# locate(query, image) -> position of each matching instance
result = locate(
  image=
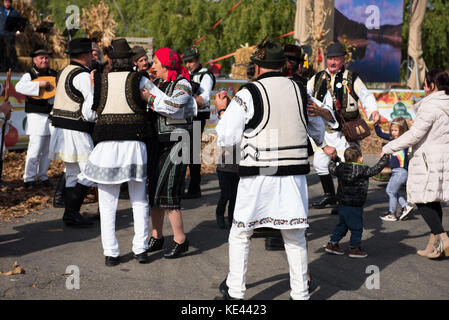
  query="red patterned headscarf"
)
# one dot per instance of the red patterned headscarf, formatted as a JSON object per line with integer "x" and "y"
{"x": 171, "y": 60}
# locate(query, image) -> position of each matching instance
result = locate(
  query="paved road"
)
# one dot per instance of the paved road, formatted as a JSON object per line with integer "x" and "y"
{"x": 44, "y": 248}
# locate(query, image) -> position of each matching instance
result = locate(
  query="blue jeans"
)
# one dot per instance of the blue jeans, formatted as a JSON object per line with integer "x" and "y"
{"x": 351, "y": 218}
{"x": 398, "y": 178}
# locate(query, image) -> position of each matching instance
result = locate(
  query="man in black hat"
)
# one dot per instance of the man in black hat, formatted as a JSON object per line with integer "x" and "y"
{"x": 120, "y": 153}
{"x": 73, "y": 120}
{"x": 269, "y": 119}
{"x": 295, "y": 58}
{"x": 10, "y": 21}
{"x": 347, "y": 89}
{"x": 140, "y": 59}
{"x": 38, "y": 123}
{"x": 203, "y": 82}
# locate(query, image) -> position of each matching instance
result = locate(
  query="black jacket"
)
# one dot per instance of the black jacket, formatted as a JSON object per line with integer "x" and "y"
{"x": 353, "y": 180}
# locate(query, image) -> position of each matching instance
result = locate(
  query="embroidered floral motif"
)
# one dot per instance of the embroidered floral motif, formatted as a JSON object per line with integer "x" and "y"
{"x": 182, "y": 87}
{"x": 240, "y": 102}
{"x": 267, "y": 220}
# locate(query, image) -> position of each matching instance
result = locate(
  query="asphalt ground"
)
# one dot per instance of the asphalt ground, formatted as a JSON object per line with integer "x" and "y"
{"x": 52, "y": 254}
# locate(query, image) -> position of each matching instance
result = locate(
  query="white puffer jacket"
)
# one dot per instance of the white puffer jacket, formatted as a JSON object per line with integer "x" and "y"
{"x": 428, "y": 178}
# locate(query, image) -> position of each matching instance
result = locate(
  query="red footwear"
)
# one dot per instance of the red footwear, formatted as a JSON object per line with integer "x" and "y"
{"x": 334, "y": 249}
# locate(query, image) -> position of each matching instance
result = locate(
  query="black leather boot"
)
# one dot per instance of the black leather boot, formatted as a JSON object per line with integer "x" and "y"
{"x": 274, "y": 243}
{"x": 74, "y": 200}
{"x": 329, "y": 193}
{"x": 58, "y": 200}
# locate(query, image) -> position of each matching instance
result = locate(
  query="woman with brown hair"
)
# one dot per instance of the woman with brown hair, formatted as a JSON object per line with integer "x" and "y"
{"x": 428, "y": 180}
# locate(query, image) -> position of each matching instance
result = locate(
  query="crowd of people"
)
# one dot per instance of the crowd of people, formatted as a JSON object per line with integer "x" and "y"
{"x": 119, "y": 122}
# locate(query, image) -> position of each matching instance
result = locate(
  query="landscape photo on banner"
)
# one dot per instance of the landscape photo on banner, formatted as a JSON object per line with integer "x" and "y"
{"x": 374, "y": 29}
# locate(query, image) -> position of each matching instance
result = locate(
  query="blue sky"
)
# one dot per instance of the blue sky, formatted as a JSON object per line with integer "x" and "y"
{"x": 391, "y": 11}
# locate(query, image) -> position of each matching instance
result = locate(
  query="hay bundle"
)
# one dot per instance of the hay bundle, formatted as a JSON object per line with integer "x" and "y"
{"x": 29, "y": 38}
{"x": 242, "y": 58}
{"x": 98, "y": 24}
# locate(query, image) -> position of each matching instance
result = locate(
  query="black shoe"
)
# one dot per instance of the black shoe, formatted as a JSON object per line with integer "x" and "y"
{"x": 155, "y": 244}
{"x": 221, "y": 222}
{"x": 112, "y": 261}
{"x": 224, "y": 290}
{"x": 328, "y": 199}
{"x": 142, "y": 257}
{"x": 47, "y": 184}
{"x": 75, "y": 219}
{"x": 58, "y": 202}
{"x": 274, "y": 244}
{"x": 192, "y": 195}
{"x": 177, "y": 249}
{"x": 30, "y": 184}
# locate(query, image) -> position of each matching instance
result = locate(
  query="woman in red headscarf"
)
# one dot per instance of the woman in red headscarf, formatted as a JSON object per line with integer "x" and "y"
{"x": 170, "y": 97}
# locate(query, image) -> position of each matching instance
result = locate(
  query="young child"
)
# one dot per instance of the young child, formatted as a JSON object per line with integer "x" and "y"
{"x": 353, "y": 179}
{"x": 399, "y": 171}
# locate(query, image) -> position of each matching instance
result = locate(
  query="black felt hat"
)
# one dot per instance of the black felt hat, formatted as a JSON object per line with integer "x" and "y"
{"x": 139, "y": 52}
{"x": 191, "y": 53}
{"x": 37, "y": 51}
{"x": 293, "y": 52}
{"x": 80, "y": 45}
{"x": 336, "y": 49}
{"x": 120, "y": 49}
{"x": 269, "y": 55}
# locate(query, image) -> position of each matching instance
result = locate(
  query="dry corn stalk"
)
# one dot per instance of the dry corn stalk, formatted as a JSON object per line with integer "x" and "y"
{"x": 98, "y": 23}
{"x": 29, "y": 39}
{"x": 320, "y": 16}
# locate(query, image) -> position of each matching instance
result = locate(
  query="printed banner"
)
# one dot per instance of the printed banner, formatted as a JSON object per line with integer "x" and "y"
{"x": 374, "y": 29}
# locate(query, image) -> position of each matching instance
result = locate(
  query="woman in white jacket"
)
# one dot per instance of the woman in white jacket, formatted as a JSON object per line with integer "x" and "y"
{"x": 428, "y": 180}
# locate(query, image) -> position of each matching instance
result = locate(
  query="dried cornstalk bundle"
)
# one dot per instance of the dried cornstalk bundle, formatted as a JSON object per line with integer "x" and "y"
{"x": 242, "y": 58}
{"x": 321, "y": 14}
{"x": 98, "y": 23}
{"x": 29, "y": 38}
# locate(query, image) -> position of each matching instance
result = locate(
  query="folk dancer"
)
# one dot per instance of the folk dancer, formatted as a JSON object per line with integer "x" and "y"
{"x": 73, "y": 120}
{"x": 269, "y": 120}
{"x": 173, "y": 108}
{"x": 348, "y": 89}
{"x": 120, "y": 153}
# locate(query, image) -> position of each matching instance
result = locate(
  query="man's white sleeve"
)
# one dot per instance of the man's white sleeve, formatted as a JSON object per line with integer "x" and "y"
{"x": 27, "y": 87}
{"x": 82, "y": 83}
{"x": 232, "y": 123}
{"x": 366, "y": 97}
{"x": 206, "y": 87}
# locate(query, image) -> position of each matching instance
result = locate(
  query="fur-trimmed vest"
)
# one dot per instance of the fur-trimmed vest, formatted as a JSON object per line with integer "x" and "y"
{"x": 39, "y": 105}
{"x": 67, "y": 110}
{"x": 275, "y": 140}
{"x": 121, "y": 111}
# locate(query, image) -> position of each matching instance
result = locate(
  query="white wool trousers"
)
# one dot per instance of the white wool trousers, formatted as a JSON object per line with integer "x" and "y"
{"x": 37, "y": 161}
{"x": 108, "y": 195}
{"x": 295, "y": 248}
{"x": 74, "y": 175}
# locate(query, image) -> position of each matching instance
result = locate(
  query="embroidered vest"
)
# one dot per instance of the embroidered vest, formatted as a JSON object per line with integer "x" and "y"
{"x": 69, "y": 101}
{"x": 345, "y": 93}
{"x": 165, "y": 126}
{"x": 121, "y": 111}
{"x": 275, "y": 140}
{"x": 38, "y": 105}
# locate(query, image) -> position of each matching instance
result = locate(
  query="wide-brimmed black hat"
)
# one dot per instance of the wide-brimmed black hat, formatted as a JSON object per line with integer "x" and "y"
{"x": 336, "y": 49}
{"x": 139, "y": 52}
{"x": 38, "y": 51}
{"x": 80, "y": 45}
{"x": 269, "y": 55}
{"x": 191, "y": 53}
{"x": 293, "y": 52}
{"x": 120, "y": 49}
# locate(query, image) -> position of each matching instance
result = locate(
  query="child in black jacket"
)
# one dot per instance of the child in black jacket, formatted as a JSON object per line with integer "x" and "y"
{"x": 353, "y": 179}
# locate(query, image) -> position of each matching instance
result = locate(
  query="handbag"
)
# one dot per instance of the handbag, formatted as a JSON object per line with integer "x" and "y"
{"x": 353, "y": 130}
